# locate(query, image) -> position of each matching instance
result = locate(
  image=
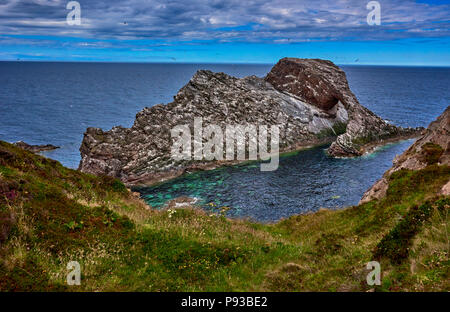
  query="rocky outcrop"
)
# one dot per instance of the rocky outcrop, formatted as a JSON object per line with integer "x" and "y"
{"x": 318, "y": 82}
{"x": 324, "y": 85}
{"x": 35, "y": 148}
{"x": 181, "y": 202}
{"x": 308, "y": 99}
{"x": 433, "y": 147}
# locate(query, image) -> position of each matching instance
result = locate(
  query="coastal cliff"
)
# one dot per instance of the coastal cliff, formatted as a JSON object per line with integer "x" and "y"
{"x": 433, "y": 147}
{"x": 308, "y": 99}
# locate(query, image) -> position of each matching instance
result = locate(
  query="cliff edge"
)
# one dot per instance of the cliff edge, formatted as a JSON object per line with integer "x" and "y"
{"x": 433, "y": 147}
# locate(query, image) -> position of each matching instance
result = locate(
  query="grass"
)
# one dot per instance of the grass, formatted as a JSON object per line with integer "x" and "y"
{"x": 396, "y": 244}
{"x": 51, "y": 215}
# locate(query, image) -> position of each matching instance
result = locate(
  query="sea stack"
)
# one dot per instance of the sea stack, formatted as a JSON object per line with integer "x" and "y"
{"x": 308, "y": 99}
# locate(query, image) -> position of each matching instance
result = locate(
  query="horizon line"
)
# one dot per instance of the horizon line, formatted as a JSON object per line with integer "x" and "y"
{"x": 212, "y": 63}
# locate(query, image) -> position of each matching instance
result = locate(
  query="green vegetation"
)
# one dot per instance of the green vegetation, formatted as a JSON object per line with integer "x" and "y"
{"x": 431, "y": 153}
{"x": 51, "y": 215}
{"x": 363, "y": 140}
{"x": 395, "y": 245}
{"x": 337, "y": 129}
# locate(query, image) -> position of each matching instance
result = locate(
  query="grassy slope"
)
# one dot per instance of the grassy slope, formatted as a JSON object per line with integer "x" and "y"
{"x": 54, "y": 215}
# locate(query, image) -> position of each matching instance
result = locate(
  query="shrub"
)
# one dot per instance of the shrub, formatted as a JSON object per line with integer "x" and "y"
{"x": 431, "y": 153}
{"x": 395, "y": 245}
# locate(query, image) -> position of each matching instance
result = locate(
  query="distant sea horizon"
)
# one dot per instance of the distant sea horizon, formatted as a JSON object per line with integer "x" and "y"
{"x": 220, "y": 63}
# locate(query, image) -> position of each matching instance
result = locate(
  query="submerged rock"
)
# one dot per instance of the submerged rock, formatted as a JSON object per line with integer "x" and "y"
{"x": 181, "y": 202}
{"x": 433, "y": 147}
{"x": 309, "y": 100}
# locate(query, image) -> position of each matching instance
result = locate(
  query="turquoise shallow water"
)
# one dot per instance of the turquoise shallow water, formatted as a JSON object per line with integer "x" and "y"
{"x": 304, "y": 182}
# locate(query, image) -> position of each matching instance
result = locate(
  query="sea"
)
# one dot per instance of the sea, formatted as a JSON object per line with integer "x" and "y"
{"x": 54, "y": 103}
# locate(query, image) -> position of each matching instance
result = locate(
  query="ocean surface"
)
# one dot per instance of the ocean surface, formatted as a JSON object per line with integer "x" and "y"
{"x": 54, "y": 103}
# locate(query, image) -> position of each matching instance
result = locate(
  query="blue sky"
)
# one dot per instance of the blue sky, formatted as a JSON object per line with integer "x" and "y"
{"x": 230, "y": 31}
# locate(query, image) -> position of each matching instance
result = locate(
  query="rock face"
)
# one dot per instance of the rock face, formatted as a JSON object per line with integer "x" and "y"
{"x": 324, "y": 85}
{"x": 308, "y": 99}
{"x": 433, "y": 147}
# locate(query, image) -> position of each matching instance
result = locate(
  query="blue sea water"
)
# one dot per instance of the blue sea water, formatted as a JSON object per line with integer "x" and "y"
{"x": 43, "y": 102}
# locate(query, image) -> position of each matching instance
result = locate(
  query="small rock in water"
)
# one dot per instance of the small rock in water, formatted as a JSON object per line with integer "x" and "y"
{"x": 181, "y": 202}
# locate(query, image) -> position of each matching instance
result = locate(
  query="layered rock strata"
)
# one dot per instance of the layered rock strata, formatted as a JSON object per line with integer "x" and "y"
{"x": 308, "y": 99}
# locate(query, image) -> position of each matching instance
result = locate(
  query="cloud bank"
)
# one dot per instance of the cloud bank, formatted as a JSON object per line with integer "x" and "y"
{"x": 278, "y": 21}
{"x": 193, "y": 30}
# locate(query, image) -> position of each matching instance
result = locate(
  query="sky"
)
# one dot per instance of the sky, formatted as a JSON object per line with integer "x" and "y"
{"x": 227, "y": 31}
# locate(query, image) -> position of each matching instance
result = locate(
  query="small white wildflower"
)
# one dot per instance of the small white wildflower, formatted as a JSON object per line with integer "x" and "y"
{"x": 171, "y": 212}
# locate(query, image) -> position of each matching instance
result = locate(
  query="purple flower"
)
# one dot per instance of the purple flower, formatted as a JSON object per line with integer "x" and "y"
{"x": 11, "y": 195}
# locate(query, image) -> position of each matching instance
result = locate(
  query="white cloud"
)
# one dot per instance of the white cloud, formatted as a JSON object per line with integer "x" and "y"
{"x": 259, "y": 20}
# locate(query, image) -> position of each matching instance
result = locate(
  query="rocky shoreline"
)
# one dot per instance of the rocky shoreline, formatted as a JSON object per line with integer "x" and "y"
{"x": 153, "y": 179}
{"x": 35, "y": 148}
{"x": 308, "y": 99}
{"x": 156, "y": 178}
{"x": 372, "y": 147}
